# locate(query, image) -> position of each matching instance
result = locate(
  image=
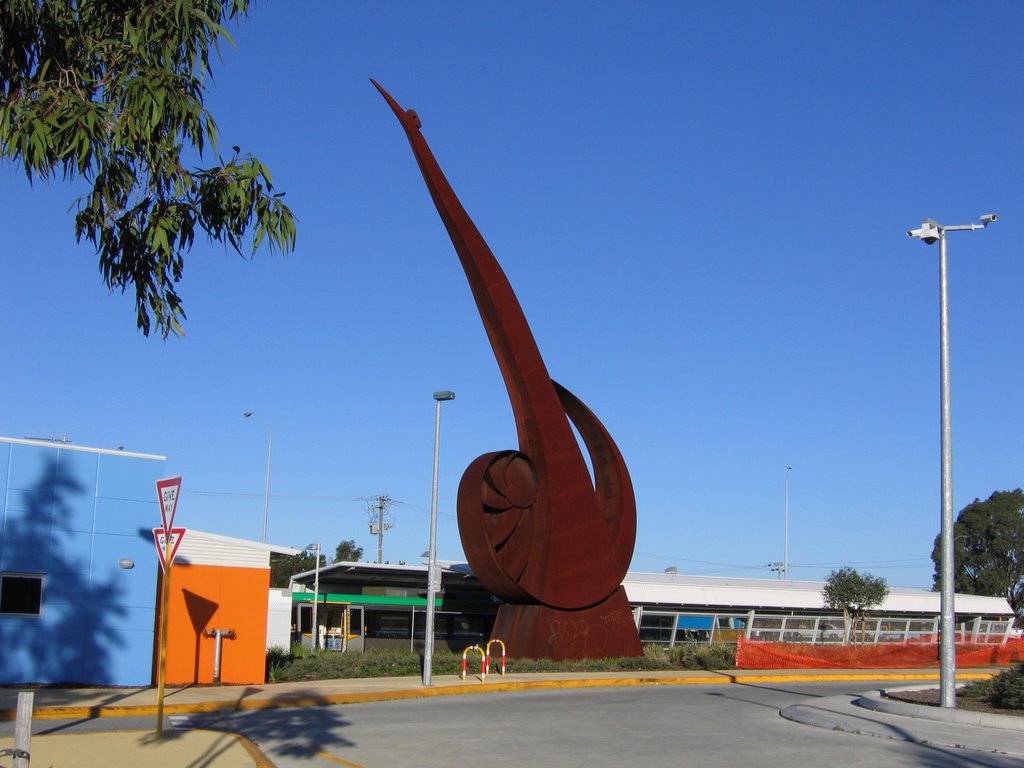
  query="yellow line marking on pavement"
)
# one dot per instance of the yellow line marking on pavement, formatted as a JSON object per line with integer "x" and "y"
{"x": 257, "y": 754}
{"x": 337, "y": 759}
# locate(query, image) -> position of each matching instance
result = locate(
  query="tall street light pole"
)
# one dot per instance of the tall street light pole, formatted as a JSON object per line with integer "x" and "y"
{"x": 266, "y": 492}
{"x": 432, "y": 586}
{"x": 930, "y": 232}
{"x": 785, "y": 547}
{"x": 316, "y": 595}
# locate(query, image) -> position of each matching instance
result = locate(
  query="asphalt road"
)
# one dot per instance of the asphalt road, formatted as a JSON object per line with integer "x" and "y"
{"x": 705, "y": 726}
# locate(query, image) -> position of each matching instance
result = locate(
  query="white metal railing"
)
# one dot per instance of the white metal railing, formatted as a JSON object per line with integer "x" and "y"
{"x": 674, "y": 627}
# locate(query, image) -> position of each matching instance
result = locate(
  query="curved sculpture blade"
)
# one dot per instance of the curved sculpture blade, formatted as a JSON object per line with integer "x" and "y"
{"x": 534, "y": 526}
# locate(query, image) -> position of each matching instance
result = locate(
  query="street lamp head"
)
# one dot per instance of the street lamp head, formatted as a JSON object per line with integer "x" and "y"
{"x": 929, "y": 232}
{"x": 247, "y": 414}
{"x": 444, "y": 395}
{"x": 988, "y": 218}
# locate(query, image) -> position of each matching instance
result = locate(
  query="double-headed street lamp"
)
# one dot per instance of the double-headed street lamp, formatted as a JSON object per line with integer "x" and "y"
{"x": 266, "y": 492}
{"x": 931, "y": 232}
{"x": 432, "y": 585}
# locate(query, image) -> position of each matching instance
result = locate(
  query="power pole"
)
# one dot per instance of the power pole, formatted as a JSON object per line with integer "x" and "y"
{"x": 377, "y": 509}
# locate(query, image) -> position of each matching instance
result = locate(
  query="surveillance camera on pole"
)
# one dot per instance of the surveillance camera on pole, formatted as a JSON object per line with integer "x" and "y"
{"x": 930, "y": 232}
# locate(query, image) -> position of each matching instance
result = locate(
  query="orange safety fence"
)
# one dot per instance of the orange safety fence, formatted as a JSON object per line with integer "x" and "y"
{"x": 757, "y": 654}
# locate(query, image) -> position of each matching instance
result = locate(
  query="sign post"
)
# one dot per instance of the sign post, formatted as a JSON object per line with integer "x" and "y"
{"x": 167, "y": 540}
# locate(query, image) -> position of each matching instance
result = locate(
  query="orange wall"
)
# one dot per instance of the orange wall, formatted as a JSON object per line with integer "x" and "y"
{"x": 208, "y": 597}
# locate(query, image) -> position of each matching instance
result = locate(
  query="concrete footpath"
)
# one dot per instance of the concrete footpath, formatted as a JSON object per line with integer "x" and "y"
{"x": 213, "y": 749}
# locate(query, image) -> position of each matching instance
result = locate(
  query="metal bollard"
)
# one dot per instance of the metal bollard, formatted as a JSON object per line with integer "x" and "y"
{"x": 487, "y": 662}
{"x": 218, "y": 635}
{"x": 23, "y": 729}
{"x": 465, "y": 653}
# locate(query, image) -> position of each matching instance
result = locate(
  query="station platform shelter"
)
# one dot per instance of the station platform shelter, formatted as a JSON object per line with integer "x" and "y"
{"x": 366, "y": 605}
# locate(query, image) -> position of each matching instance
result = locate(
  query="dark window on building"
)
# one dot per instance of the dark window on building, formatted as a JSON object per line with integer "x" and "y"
{"x": 657, "y": 627}
{"x": 21, "y": 593}
{"x": 393, "y": 625}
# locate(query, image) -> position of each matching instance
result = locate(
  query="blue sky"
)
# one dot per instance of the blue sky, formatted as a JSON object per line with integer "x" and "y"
{"x": 702, "y": 209}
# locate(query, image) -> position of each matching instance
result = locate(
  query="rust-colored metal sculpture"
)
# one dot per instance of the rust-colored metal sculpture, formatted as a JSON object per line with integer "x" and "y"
{"x": 537, "y": 531}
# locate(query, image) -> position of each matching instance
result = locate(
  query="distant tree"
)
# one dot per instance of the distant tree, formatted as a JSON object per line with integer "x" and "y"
{"x": 988, "y": 545}
{"x": 348, "y": 552}
{"x": 283, "y": 568}
{"x": 854, "y": 594}
{"x": 111, "y": 91}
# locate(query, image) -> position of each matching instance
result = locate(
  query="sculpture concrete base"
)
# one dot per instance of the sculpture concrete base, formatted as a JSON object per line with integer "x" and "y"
{"x": 605, "y": 630}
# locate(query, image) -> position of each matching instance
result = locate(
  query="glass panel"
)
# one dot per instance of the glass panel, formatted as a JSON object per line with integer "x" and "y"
{"x": 796, "y": 637}
{"x": 829, "y": 634}
{"x": 468, "y": 630}
{"x": 388, "y": 625}
{"x": 799, "y": 622}
{"x": 657, "y": 627}
{"x": 693, "y": 635}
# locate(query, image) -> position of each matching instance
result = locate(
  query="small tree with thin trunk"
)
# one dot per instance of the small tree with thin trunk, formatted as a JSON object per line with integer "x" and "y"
{"x": 854, "y": 594}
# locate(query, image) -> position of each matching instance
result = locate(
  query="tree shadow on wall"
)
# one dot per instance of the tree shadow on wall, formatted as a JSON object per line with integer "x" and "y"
{"x": 76, "y": 638}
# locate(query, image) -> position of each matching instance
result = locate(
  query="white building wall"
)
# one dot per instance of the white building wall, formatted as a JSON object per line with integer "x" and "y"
{"x": 279, "y": 618}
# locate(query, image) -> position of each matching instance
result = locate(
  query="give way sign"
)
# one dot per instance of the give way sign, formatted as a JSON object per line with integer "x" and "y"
{"x": 165, "y": 553}
{"x": 167, "y": 490}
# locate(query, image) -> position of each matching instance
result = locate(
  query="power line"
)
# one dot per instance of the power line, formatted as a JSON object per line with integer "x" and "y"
{"x": 418, "y": 509}
{"x": 888, "y": 564}
{"x": 239, "y": 494}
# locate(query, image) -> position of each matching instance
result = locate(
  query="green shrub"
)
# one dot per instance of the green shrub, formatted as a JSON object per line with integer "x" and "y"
{"x": 635, "y": 663}
{"x": 1008, "y": 688}
{"x": 704, "y": 656}
{"x": 277, "y": 659}
{"x": 533, "y": 665}
{"x": 657, "y": 654}
{"x": 977, "y": 689}
{"x": 277, "y": 653}
{"x": 302, "y": 664}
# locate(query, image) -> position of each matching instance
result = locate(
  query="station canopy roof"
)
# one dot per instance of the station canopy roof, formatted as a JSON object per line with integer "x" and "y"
{"x": 672, "y": 590}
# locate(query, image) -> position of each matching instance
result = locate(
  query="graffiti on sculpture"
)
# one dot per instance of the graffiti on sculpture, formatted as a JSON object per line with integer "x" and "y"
{"x": 543, "y": 536}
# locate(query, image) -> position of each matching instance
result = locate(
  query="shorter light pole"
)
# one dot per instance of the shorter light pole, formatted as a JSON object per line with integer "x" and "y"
{"x": 266, "y": 492}
{"x": 432, "y": 586}
{"x": 316, "y": 595}
{"x": 931, "y": 232}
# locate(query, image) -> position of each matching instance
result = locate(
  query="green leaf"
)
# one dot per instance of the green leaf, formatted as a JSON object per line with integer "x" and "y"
{"x": 116, "y": 97}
